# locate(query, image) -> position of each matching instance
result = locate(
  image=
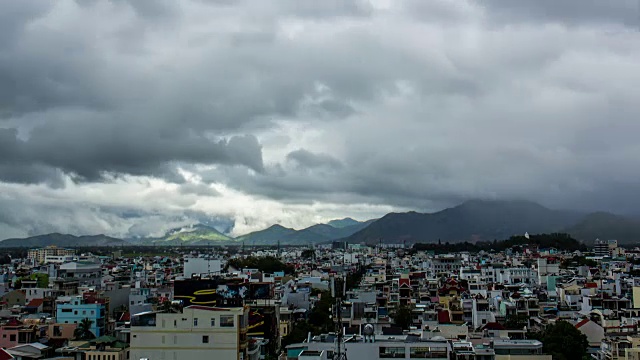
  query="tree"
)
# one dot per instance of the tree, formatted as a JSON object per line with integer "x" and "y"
{"x": 43, "y": 279}
{"x": 83, "y": 331}
{"x": 516, "y": 322}
{"x": 563, "y": 341}
{"x": 308, "y": 254}
{"x": 402, "y": 317}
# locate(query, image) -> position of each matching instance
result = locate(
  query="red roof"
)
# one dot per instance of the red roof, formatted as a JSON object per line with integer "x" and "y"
{"x": 582, "y": 323}
{"x": 404, "y": 282}
{"x": 5, "y": 355}
{"x": 125, "y": 317}
{"x": 35, "y": 303}
{"x": 590, "y": 285}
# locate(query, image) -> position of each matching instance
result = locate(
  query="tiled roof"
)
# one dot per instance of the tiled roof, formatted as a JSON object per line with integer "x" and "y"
{"x": 582, "y": 323}
{"x": 35, "y": 303}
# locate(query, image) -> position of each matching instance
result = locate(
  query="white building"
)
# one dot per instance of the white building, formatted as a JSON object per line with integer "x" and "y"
{"x": 198, "y": 332}
{"x": 198, "y": 266}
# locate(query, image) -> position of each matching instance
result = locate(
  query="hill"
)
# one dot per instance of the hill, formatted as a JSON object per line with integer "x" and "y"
{"x": 193, "y": 235}
{"x": 314, "y": 234}
{"x": 605, "y": 226}
{"x": 343, "y": 223}
{"x": 63, "y": 240}
{"x": 477, "y": 220}
{"x": 268, "y": 236}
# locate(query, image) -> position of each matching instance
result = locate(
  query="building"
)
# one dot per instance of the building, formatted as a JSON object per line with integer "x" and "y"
{"x": 383, "y": 347}
{"x": 74, "y": 310}
{"x": 198, "y": 266}
{"x": 519, "y": 349}
{"x": 605, "y": 248}
{"x": 195, "y": 333}
{"x": 85, "y": 272}
{"x": 39, "y": 255}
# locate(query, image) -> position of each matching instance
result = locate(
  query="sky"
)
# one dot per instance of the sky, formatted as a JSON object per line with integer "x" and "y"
{"x": 129, "y": 118}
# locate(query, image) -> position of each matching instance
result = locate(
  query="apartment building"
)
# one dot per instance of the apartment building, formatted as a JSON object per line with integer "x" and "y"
{"x": 74, "y": 310}
{"x": 39, "y": 255}
{"x": 196, "y": 332}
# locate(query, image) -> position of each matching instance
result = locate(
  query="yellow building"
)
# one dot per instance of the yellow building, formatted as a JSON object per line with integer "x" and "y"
{"x": 39, "y": 255}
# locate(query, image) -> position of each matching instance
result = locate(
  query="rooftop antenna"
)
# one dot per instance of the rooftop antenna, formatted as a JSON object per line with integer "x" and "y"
{"x": 340, "y": 354}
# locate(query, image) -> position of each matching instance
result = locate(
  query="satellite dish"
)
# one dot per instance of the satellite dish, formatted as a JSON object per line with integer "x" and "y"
{"x": 368, "y": 330}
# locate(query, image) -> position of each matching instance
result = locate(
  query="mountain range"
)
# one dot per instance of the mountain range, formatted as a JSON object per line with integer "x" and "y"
{"x": 476, "y": 220}
{"x": 63, "y": 240}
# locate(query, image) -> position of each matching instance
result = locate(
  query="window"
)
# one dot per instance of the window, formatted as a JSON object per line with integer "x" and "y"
{"x": 175, "y": 323}
{"x": 12, "y": 337}
{"x": 205, "y": 339}
{"x": 419, "y": 353}
{"x": 163, "y": 339}
{"x": 213, "y": 322}
{"x": 65, "y": 310}
{"x": 226, "y": 320}
{"x": 75, "y": 312}
{"x": 195, "y": 322}
{"x": 84, "y": 312}
{"x": 391, "y": 352}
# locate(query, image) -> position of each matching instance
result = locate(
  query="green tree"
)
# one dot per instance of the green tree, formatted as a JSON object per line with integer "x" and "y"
{"x": 563, "y": 341}
{"x": 43, "y": 280}
{"x": 516, "y": 322}
{"x": 402, "y": 317}
{"x": 308, "y": 254}
{"x": 83, "y": 331}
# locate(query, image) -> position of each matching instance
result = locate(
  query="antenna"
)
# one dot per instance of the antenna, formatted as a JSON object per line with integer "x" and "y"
{"x": 340, "y": 354}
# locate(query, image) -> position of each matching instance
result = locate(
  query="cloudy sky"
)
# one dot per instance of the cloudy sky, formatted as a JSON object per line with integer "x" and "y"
{"x": 130, "y": 117}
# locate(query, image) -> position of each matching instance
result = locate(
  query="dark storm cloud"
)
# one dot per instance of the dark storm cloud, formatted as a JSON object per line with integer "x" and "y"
{"x": 256, "y": 105}
{"x": 138, "y": 151}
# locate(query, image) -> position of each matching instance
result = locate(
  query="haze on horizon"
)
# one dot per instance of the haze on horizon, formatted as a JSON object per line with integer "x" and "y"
{"x": 131, "y": 117}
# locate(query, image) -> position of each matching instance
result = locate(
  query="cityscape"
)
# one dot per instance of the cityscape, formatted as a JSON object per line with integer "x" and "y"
{"x": 334, "y": 300}
{"x": 319, "y": 179}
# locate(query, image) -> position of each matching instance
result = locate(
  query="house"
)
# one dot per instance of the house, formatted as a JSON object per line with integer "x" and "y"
{"x": 30, "y": 351}
{"x": 594, "y": 333}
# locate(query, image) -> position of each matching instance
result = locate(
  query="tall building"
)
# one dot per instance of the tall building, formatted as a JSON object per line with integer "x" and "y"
{"x": 197, "y": 332}
{"x": 40, "y": 255}
{"x": 605, "y": 247}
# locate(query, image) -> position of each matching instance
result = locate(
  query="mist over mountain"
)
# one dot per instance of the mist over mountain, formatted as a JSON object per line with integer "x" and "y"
{"x": 476, "y": 220}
